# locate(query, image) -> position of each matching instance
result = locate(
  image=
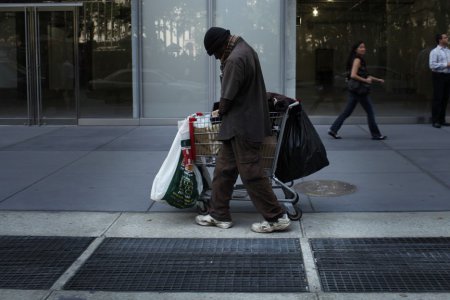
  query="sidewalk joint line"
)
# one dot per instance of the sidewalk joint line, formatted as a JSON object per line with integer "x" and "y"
{"x": 430, "y": 174}
{"x": 302, "y": 230}
{"x": 310, "y": 267}
{"x": 62, "y": 167}
{"x": 78, "y": 263}
{"x": 117, "y": 137}
{"x": 150, "y": 206}
{"x": 103, "y": 234}
{"x": 49, "y": 294}
{"x": 5, "y": 148}
{"x": 397, "y": 151}
{"x": 45, "y": 177}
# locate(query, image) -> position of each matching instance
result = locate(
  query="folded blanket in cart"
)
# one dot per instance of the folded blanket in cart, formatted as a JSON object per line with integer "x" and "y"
{"x": 205, "y": 135}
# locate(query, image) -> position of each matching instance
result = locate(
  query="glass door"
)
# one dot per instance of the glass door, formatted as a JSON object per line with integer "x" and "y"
{"x": 39, "y": 57}
{"x": 56, "y": 63}
{"x": 13, "y": 66}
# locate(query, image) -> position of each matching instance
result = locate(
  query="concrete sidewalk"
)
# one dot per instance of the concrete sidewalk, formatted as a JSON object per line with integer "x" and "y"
{"x": 95, "y": 182}
{"x": 70, "y": 168}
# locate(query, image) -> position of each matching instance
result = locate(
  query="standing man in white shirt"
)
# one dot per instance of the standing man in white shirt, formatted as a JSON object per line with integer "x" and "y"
{"x": 440, "y": 67}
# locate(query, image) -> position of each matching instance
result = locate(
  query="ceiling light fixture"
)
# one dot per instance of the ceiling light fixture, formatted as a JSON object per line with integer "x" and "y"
{"x": 315, "y": 11}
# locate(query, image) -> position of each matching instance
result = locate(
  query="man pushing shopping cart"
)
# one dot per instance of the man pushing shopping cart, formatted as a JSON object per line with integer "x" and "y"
{"x": 244, "y": 113}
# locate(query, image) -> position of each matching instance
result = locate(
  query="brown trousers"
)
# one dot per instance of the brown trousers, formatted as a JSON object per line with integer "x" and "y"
{"x": 241, "y": 157}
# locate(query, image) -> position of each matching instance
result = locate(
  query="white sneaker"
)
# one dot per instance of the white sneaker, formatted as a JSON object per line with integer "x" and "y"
{"x": 210, "y": 221}
{"x": 267, "y": 227}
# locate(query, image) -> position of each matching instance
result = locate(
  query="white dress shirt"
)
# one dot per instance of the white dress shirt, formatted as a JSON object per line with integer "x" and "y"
{"x": 439, "y": 59}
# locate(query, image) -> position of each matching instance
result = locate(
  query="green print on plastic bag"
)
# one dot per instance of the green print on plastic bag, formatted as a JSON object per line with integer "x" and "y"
{"x": 182, "y": 191}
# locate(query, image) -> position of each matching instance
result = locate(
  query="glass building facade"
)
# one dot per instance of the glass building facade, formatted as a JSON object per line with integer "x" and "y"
{"x": 399, "y": 36}
{"x": 143, "y": 62}
{"x": 62, "y": 62}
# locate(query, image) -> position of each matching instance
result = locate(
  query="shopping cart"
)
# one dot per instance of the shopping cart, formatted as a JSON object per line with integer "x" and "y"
{"x": 205, "y": 147}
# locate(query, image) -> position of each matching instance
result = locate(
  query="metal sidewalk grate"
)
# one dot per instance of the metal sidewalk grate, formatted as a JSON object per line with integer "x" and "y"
{"x": 37, "y": 262}
{"x": 200, "y": 265}
{"x": 383, "y": 264}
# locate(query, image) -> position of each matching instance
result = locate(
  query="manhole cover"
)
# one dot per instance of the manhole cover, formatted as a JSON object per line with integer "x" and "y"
{"x": 325, "y": 188}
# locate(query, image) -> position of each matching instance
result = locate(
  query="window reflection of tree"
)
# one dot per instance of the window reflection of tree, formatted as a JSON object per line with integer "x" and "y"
{"x": 105, "y": 33}
{"x": 179, "y": 39}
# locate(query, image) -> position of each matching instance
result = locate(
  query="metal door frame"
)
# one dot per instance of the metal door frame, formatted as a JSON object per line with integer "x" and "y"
{"x": 33, "y": 64}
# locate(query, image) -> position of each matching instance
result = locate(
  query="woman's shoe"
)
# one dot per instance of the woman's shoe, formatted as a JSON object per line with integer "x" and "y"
{"x": 334, "y": 135}
{"x": 379, "y": 137}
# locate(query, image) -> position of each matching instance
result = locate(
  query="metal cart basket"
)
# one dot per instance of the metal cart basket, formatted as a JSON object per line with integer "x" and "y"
{"x": 205, "y": 148}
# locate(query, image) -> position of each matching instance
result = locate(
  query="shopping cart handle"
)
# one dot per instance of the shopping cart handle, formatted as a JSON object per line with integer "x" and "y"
{"x": 294, "y": 104}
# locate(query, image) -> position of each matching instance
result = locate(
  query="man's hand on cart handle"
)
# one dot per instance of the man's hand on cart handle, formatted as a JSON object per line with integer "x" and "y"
{"x": 215, "y": 113}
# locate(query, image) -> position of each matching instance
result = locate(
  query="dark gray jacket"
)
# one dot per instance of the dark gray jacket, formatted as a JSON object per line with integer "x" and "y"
{"x": 243, "y": 84}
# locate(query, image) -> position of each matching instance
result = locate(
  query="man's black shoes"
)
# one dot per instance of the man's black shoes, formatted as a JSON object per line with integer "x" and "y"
{"x": 437, "y": 125}
{"x": 446, "y": 124}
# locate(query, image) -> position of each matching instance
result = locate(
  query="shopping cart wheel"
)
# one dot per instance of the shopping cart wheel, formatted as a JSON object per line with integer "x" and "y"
{"x": 295, "y": 213}
{"x": 202, "y": 208}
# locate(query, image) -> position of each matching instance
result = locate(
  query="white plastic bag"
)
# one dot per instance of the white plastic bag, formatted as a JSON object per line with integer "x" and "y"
{"x": 178, "y": 181}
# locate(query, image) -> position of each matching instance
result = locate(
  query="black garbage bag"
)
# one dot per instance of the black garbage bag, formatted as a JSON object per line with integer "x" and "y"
{"x": 302, "y": 152}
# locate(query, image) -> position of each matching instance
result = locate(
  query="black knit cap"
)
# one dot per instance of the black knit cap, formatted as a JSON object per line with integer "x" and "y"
{"x": 215, "y": 38}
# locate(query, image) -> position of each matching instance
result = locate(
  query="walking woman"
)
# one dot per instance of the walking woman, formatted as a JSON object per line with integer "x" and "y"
{"x": 359, "y": 87}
